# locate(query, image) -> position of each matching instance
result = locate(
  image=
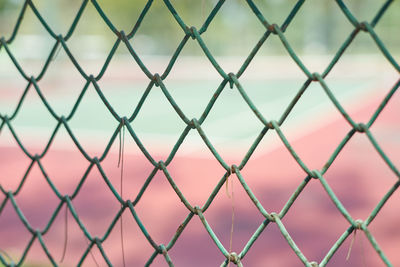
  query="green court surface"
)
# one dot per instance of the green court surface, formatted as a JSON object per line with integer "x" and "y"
{"x": 158, "y": 124}
{"x": 271, "y": 83}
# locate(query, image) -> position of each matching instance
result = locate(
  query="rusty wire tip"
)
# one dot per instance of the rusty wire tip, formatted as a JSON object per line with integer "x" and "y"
{"x": 272, "y": 28}
{"x": 361, "y": 128}
{"x": 272, "y": 217}
{"x": 363, "y": 26}
{"x": 233, "y": 257}
{"x": 121, "y": 34}
{"x": 315, "y": 174}
{"x": 359, "y": 224}
{"x": 315, "y": 77}
{"x": 197, "y": 210}
{"x": 193, "y": 31}
{"x": 233, "y": 169}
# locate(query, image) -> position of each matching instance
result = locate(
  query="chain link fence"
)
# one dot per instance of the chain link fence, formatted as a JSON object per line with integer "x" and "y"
{"x": 227, "y": 81}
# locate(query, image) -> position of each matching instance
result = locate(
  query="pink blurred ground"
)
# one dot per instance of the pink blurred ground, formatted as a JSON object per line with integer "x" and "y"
{"x": 359, "y": 177}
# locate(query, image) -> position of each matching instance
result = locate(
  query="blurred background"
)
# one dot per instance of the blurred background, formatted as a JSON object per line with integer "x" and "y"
{"x": 360, "y": 178}
{"x": 320, "y": 27}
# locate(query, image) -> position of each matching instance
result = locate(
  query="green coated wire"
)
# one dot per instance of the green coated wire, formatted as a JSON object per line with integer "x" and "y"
{"x": 156, "y": 82}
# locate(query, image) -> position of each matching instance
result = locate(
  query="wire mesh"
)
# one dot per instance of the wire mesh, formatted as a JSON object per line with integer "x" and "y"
{"x": 228, "y": 80}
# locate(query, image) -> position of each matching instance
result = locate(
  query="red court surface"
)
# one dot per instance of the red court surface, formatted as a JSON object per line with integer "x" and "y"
{"x": 359, "y": 177}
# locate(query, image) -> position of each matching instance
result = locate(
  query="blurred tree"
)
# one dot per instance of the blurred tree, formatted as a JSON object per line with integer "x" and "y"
{"x": 319, "y": 26}
{"x": 2, "y": 4}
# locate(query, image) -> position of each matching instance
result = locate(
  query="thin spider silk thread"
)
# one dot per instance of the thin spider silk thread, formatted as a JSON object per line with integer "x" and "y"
{"x": 91, "y": 254}
{"x": 66, "y": 239}
{"x": 65, "y": 233}
{"x": 231, "y": 196}
{"x": 362, "y": 248}
{"x": 93, "y": 257}
{"x": 351, "y": 244}
{"x": 120, "y": 157}
{"x": 121, "y": 164}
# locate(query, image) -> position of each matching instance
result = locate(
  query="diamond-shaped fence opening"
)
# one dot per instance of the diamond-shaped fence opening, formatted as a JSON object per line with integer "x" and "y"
{"x": 95, "y": 221}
